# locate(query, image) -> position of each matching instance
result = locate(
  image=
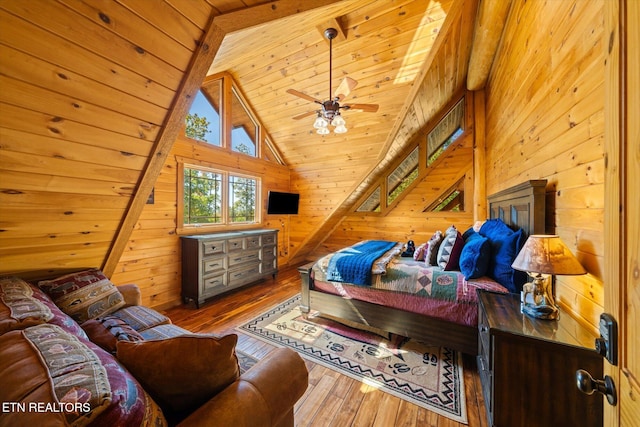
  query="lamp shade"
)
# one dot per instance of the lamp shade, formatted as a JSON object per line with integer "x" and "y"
{"x": 547, "y": 254}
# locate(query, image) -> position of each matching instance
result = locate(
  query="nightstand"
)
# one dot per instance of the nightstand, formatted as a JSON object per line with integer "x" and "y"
{"x": 528, "y": 366}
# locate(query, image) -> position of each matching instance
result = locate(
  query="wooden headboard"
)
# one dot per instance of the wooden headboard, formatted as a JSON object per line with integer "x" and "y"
{"x": 521, "y": 206}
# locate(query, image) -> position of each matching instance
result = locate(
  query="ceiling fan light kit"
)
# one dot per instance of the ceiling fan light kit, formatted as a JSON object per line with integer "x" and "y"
{"x": 329, "y": 114}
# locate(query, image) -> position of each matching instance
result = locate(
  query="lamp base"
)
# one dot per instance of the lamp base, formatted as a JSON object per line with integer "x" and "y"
{"x": 546, "y": 312}
{"x": 536, "y": 300}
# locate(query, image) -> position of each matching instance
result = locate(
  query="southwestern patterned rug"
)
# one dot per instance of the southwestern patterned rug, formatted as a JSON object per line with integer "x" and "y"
{"x": 428, "y": 376}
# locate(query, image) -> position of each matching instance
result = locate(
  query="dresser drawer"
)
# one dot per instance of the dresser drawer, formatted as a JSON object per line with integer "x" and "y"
{"x": 253, "y": 242}
{"x": 268, "y": 239}
{"x": 236, "y": 244}
{"x": 268, "y": 266}
{"x": 268, "y": 253}
{"x": 245, "y": 274}
{"x": 213, "y": 247}
{"x": 212, "y": 265}
{"x": 213, "y": 284}
{"x": 246, "y": 256}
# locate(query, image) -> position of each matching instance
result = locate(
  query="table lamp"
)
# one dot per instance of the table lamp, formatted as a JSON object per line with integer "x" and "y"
{"x": 544, "y": 255}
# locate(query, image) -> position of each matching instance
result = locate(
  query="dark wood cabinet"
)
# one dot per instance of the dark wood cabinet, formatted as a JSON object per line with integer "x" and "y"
{"x": 216, "y": 263}
{"x": 528, "y": 367}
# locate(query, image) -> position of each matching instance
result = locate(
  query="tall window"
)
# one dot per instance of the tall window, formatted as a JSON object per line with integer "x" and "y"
{"x": 203, "y": 122}
{"x": 244, "y": 129}
{"x": 242, "y": 199}
{"x": 202, "y": 197}
{"x": 217, "y": 197}
{"x": 221, "y": 116}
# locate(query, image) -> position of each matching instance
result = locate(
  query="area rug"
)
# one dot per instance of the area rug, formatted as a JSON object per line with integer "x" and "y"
{"x": 245, "y": 362}
{"x": 428, "y": 376}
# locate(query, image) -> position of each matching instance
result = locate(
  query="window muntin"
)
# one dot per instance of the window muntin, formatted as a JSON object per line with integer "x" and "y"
{"x": 402, "y": 176}
{"x": 203, "y": 121}
{"x": 446, "y": 132}
{"x": 215, "y": 197}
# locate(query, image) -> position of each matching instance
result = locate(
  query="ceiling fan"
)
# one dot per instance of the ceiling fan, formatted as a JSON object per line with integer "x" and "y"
{"x": 329, "y": 112}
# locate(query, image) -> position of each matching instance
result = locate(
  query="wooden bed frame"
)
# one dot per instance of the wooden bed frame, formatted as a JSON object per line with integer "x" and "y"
{"x": 522, "y": 206}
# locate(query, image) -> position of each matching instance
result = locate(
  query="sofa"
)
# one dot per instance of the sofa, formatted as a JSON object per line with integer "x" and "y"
{"x": 78, "y": 350}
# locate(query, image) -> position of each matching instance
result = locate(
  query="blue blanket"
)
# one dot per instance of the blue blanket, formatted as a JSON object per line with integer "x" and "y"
{"x": 353, "y": 265}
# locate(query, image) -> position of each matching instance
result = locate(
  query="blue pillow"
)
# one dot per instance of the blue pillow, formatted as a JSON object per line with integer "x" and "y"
{"x": 495, "y": 229}
{"x": 475, "y": 256}
{"x": 504, "y": 250}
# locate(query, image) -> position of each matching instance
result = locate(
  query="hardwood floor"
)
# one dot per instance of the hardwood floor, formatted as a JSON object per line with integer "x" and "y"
{"x": 332, "y": 399}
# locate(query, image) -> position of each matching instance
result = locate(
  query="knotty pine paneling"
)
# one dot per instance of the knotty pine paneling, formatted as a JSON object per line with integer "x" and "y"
{"x": 152, "y": 256}
{"x": 86, "y": 87}
{"x": 545, "y": 103}
{"x": 407, "y": 219}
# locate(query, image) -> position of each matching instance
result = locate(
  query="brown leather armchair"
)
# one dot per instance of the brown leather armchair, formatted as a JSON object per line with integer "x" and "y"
{"x": 263, "y": 396}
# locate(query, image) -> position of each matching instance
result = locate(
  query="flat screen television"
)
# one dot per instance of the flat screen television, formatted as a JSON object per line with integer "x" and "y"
{"x": 279, "y": 203}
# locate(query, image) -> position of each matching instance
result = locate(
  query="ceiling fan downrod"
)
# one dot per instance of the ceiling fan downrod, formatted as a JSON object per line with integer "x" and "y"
{"x": 330, "y": 34}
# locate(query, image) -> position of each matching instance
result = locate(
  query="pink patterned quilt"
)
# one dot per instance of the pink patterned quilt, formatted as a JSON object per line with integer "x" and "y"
{"x": 412, "y": 286}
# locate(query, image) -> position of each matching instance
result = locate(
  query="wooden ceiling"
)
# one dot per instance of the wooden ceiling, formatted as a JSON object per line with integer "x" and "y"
{"x": 410, "y": 57}
{"x": 384, "y": 46}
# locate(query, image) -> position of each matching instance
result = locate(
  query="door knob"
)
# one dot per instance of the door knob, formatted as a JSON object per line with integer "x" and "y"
{"x": 587, "y": 384}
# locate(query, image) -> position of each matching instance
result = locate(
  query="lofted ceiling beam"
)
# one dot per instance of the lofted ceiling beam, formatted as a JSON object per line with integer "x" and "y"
{"x": 492, "y": 16}
{"x": 219, "y": 27}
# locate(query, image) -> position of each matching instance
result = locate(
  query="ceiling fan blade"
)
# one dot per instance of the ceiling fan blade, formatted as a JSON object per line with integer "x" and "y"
{"x": 368, "y": 108}
{"x": 303, "y": 115}
{"x": 346, "y": 86}
{"x": 302, "y": 95}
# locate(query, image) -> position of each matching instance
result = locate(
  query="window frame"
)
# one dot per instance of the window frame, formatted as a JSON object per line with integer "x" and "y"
{"x": 226, "y": 222}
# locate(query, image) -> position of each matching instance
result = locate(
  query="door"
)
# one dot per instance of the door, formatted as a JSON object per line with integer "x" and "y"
{"x": 622, "y": 204}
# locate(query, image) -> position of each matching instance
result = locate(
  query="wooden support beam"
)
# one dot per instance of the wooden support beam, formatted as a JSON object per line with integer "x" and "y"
{"x": 479, "y": 158}
{"x": 492, "y": 16}
{"x": 218, "y": 28}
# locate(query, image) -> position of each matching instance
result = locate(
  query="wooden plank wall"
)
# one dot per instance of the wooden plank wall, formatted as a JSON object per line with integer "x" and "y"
{"x": 545, "y": 120}
{"x": 152, "y": 258}
{"x": 407, "y": 220}
{"x": 85, "y": 91}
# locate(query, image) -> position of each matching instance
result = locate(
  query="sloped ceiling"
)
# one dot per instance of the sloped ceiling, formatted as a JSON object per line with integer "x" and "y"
{"x": 409, "y": 57}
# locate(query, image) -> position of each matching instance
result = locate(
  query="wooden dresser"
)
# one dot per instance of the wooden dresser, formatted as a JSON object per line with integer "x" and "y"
{"x": 216, "y": 263}
{"x": 528, "y": 366}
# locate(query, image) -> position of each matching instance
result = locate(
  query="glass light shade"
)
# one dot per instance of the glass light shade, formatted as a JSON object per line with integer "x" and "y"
{"x": 338, "y": 121}
{"x": 340, "y": 129}
{"x": 323, "y": 130}
{"x": 547, "y": 254}
{"x": 320, "y": 123}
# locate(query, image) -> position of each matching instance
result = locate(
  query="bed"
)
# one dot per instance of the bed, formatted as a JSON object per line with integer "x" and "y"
{"x": 521, "y": 207}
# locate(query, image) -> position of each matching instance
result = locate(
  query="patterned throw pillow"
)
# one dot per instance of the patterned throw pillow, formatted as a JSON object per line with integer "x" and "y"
{"x": 418, "y": 254}
{"x": 449, "y": 252}
{"x": 84, "y": 295}
{"x": 431, "y": 252}
{"x": 45, "y": 364}
{"x": 18, "y": 308}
